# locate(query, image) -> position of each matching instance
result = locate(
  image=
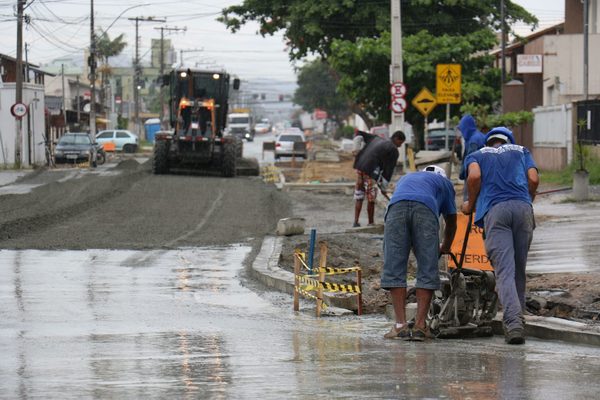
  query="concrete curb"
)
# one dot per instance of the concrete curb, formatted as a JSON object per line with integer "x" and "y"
{"x": 266, "y": 270}
{"x": 550, "y": 328}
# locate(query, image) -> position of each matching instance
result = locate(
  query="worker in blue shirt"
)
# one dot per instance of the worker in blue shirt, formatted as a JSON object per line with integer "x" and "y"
{"x": 502, "y": 180}
{"x": 412, "y": 221}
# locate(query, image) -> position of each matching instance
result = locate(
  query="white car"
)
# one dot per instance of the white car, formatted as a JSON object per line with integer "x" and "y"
{"x": 262, "y": 128}
{"x": 124, "y": 140}
{"x": 290, "y": 143}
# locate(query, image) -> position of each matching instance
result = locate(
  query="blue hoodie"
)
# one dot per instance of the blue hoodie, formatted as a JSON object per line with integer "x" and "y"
{"x": 474, "y": 140}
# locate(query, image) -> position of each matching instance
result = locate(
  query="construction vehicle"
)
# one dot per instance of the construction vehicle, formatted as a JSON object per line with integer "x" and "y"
{"x": 467, "y": 302}
{"x": 198, "y": 103}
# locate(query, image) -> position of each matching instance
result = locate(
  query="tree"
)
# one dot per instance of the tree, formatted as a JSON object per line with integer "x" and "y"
{"x": 317, "y": 88}
{"x": 105, "y": 48}
{"x": 353, "y": 36}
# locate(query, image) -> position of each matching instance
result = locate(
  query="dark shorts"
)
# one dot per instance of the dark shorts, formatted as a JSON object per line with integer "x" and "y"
{"x": 410, "y": 225}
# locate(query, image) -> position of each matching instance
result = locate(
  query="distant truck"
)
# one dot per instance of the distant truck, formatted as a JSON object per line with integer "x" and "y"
{"x": 198, "y": 103}
{"x": 241, "y": 124}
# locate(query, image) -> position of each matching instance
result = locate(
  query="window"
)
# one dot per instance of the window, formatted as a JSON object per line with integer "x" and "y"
{"x": 105, "y": 135}
{"x": 122, "y": 135}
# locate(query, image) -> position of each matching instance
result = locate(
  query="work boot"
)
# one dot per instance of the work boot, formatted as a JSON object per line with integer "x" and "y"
{"x": 515, "y": 336}
{"x": 398, "y": 333}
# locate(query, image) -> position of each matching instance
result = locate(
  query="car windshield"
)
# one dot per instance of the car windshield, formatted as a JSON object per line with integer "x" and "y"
{"x": 238, "y": 120}
{"x": 74, "y": 139}
{"x": 290, "y": 138}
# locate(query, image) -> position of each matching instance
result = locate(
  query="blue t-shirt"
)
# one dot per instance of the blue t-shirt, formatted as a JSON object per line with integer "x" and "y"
{"x": 503, "y": 176}
{"x": 433, "y": 190}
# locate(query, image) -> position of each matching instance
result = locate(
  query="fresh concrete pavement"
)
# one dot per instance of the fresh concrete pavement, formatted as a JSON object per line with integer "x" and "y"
{"x": 265, "y": 268}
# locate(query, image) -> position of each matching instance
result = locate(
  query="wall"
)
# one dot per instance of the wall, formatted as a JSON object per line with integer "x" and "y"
{"x": 33, "y": 126}
{"x": 563, "y": 68}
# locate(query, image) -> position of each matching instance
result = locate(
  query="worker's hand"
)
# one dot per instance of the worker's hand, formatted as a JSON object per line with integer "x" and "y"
{"x": 466, "y": 208}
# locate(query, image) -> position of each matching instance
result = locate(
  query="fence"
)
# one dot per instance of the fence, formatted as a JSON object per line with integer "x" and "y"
{"x": 553, "y": 136}
{"x": 313, "y": 284}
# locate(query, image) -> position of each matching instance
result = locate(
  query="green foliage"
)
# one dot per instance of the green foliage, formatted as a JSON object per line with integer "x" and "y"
{"x": 344, "y": 132}
{"x": 107, "y": 47}
{"x": 317, "y": 88}
{"x": 565, "y": 177}
{"x": 363, "y": 68}
{"x": 122, "y": 123}
{"x": 486, "y": 121}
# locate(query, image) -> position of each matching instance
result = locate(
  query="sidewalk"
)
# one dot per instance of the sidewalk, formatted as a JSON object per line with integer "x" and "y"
{"x": 266, "y": 270}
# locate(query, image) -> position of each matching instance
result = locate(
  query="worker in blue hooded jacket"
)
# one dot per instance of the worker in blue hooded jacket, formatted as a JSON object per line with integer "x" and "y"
{"x": 474, "y": 140}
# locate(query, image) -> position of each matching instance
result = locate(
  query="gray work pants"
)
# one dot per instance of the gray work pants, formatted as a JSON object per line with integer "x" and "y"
{"x": 508, "y": 232}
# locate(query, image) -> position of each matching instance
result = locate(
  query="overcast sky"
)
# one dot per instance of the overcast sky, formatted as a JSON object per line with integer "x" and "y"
{"x": 61, "y": 27}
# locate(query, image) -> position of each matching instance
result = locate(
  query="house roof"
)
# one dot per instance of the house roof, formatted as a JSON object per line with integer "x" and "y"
{"x": 522, "y": 41}
{"x": 31, "y": 66}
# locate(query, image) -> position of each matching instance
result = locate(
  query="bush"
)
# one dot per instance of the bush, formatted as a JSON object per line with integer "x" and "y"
{"x": 565, "y": 177}
{"x": 344, "y": 132}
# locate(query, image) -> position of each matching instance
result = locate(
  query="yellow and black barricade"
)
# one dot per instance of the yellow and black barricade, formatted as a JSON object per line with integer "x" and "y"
{"x": 270, "y": 174}
{"x": 312, "y": 285}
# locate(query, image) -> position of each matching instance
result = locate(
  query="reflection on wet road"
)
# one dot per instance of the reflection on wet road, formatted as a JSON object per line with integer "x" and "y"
{"x": 102, "y": 324}
{"x": 568, "y": 241}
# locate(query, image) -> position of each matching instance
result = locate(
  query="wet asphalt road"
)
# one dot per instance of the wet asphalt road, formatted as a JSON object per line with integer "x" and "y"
{"x": 180, "y": 324}
{"x": 187, "y": 323}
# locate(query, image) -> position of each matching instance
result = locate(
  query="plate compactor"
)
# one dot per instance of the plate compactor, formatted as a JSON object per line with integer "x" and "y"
{"x": 467, "y": 302}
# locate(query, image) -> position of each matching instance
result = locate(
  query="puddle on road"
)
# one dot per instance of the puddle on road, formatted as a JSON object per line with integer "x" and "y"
{"x": 102, "y": 324}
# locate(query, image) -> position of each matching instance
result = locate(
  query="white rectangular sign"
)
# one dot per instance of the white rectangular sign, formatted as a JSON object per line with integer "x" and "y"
{"x": 529, "y": 63}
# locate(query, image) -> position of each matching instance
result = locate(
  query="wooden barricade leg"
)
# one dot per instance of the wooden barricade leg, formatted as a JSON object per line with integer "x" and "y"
{"x": 296, "y": 282}
{"x": 322, "y": 266}
{"x": 359, "y": 294}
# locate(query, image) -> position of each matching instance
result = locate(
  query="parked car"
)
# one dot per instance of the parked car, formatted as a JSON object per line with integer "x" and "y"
{"x": 285, "y": 144}
{"x": 75, "y": 147}
{"x": 442, "y": 139}
{"x": 124, "y": 140}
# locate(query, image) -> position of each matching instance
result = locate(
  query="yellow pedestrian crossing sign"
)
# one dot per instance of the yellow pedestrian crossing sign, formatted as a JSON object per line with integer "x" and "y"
{"x": 448, "y": 80}
{"x": 424, "y": 101}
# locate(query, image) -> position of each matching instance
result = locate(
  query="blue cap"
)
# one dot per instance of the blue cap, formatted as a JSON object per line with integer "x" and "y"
{"x": 502, "y": 133}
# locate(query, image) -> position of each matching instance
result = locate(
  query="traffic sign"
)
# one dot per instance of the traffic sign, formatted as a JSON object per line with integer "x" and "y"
{"x": 448, "y": 81}
{"x": 18, "y": 110}
{"x": 424, "y": 101}
{"x": 398, "y": 104}
{"x": 398, "y": 89}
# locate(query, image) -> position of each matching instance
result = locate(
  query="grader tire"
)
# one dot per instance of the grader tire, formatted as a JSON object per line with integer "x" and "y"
{"x": 229, "y": 160}
{"x": 160, "y": 163}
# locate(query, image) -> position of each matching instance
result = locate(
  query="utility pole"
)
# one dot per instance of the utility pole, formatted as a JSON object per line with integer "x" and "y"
{"x": 19, "y": 82}
{"x": 26, "y": 64}
{"x": 586, "y": 55}
{"x": 396, "y": 67}
{"x": 92, "y": 77}
{"x": 137, "y": 70}
{"x": 64, "y": 96}
{"x": 162, "y": 66}
{"x": 78, "y": 106}
{"x": 503, "y": 40}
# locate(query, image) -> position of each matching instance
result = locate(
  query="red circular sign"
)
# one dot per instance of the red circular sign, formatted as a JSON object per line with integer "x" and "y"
{"x": 18, "y": 110}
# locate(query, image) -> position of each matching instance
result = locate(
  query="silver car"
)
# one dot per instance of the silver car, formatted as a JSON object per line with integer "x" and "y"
{"x": 290, "y": 143}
